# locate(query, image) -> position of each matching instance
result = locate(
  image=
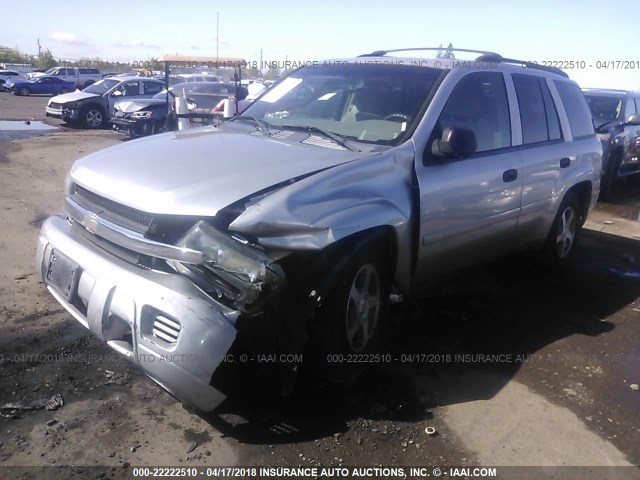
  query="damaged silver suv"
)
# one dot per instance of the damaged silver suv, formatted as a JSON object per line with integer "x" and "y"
{"x": 286, "y": 229}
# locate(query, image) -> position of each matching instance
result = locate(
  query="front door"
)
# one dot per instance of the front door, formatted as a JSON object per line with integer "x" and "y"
{"x": 469, "y": 206}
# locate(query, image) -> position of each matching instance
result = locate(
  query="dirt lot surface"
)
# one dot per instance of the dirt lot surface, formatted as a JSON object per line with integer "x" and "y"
{"x": 515, "y": 366}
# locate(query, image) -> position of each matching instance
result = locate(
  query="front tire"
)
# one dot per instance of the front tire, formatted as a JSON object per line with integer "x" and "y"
{"x": 354, "y": 314}
{"x": 610, "y": 178}
{"x": 563, "y": 237}
{"x": 24, "y": 91}
{"x": 92, "y": 117}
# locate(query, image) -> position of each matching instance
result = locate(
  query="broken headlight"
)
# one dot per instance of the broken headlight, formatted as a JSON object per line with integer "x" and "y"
{"x": 240, "y": 272}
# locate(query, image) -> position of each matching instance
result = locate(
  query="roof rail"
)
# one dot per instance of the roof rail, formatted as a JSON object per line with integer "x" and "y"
{"x": 607, "y": 89}
{"x": 382, "y": 53}
{"x": 484, "y": 57}
{"x": 494, "y": 57}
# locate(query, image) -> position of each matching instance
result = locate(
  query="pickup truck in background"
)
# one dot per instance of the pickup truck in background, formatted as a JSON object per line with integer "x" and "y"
{"x": 81, "y": 77}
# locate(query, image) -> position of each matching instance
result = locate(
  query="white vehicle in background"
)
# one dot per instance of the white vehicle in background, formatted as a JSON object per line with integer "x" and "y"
{"x": 21, "y": 68}
{"x": 82, "y": 77}
{"x": 7, "y": 75}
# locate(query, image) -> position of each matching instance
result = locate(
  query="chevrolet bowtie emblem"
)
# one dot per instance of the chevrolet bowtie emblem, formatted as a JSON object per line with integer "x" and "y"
{"x": 90, "y": 222}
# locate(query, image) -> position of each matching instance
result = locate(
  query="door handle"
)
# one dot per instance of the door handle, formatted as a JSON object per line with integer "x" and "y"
{"x": 565, "y": 162}
{"x": 510, "y": 175}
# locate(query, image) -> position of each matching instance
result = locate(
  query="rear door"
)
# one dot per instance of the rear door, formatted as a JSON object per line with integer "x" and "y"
{"x": 543, "y": 157}
{"x": 469, "y": 206}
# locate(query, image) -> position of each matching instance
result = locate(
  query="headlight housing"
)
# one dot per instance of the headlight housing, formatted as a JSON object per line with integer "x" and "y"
{"x": 604, "y": 137}
{"x": 233, "y": 269}
{"x": 142, "y": 114}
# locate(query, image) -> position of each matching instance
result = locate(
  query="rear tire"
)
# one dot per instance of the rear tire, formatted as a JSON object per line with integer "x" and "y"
{"x": 563, "y": 237}
{"x": 63, "y": 91}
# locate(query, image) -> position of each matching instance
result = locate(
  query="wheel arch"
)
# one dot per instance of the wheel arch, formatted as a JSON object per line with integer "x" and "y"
{"x": 582, "y": 191}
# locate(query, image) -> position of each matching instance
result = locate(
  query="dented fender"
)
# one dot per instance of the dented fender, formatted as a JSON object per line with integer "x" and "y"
{"x": 339, "y": 202}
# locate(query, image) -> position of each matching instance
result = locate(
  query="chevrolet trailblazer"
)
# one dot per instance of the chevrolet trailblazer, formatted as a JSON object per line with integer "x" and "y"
{"x": 287, "y": 228}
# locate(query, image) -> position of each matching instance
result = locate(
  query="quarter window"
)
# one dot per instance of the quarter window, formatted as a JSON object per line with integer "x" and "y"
{"x": 479, "y": 103}
{"x": 576, "y": 108}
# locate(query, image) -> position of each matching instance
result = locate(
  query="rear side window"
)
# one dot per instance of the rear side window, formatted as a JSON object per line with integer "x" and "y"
{"x": 637, "y": 104}
{"x": 576, "y": 108}
{"x": 533, "y": 115}
{"x": 553, "y": 123}
{"x": 479, "y": 103}
{"x": 151, "y": 88}
{"x": 90, "y": 71}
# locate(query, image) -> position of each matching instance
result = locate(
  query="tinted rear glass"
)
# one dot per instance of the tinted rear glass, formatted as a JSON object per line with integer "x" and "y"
{"x": 533, "y": 116}
{"x": 577, "y": 110}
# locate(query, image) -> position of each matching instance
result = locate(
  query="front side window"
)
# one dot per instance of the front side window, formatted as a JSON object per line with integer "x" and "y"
{"x": 479, "y": 103}
{"x": 129, "y": 89}
{"x": 101, "y": 86}
{"x": 372, "y": 103}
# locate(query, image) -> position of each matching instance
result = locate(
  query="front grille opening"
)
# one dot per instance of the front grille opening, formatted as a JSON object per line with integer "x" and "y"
{"x": 114, "y": 212}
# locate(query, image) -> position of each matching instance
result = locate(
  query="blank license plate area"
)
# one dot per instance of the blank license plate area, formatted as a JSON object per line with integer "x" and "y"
{"x": 63, "y": 274}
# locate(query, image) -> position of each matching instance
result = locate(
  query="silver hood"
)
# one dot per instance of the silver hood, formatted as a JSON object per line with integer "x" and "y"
{"x": 198, "y": 171}
{"x": 72, "y": 97}
{"x": 129, "y": 106}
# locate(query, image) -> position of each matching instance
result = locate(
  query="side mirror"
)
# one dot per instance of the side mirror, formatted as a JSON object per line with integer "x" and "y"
{"x": 634, "y": 119}
{"x": 454, "y": 142}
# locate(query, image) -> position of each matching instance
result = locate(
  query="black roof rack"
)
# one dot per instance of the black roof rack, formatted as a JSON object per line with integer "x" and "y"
{"x": 616, "y": 90}
{"x": 382, "y": 53}
{"x": 494, "y": 57}
{"x": 484, "y": 57}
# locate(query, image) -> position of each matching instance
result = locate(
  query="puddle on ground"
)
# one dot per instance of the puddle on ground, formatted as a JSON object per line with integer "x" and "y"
{"x": 18, "y": 125}
{"x": 628, "y": 212}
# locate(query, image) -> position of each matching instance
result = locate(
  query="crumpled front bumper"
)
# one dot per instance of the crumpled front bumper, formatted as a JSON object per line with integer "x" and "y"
{"x": 162, "y": 322}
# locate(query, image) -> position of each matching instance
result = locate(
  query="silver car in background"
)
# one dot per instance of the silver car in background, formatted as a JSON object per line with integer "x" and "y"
{"x": 286, "y": 229}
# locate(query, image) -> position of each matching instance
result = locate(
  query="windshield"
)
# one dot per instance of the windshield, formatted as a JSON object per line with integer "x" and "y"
{"x": 604, "y": 109}
{"x": 374, "y": 103}
{"x": 50, "y": 71}
{"x": 101, "y": 86}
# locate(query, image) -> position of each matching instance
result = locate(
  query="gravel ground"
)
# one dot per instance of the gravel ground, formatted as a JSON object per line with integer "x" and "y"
{"x": 511, "y": 365}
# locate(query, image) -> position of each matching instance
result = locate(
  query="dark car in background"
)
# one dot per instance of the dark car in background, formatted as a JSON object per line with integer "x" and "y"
{"x": 616, "y": 116}
{"x": 40, "y": 86}
{"x": 146, "y": 116}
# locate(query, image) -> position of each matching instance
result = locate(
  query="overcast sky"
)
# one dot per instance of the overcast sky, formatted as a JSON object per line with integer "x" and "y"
{"x": 136, "y": 30}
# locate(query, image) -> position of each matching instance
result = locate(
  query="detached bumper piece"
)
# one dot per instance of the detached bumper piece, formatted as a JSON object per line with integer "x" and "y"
{"x": 162, "y": 322}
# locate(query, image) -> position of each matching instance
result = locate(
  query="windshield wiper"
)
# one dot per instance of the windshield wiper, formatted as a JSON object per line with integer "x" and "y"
{"x": 339, "y": 139}
{"x": 260, "y": 124}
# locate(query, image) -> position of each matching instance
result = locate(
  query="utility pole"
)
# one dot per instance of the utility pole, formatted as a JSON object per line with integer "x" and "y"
{"x": 260, "y": 69}
{"x": 39, "y": 49}
{"x": 217, "y": 44}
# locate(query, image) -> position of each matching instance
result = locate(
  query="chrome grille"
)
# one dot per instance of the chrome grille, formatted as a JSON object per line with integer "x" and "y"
{"x": 114, "y": 212}
{"x": 166, "y": 329}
